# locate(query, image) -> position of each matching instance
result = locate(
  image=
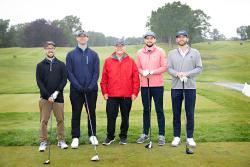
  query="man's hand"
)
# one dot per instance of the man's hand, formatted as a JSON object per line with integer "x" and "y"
{"x": 51, "y": 99}
{"x": 105, "y": 96}
{"x": 182, "y": 74}
{"x": 145, "y": 73}
{"x": 133, "y": 97}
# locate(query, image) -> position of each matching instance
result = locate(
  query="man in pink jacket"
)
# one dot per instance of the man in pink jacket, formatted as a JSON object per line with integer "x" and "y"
{"x": 151, "y": 63}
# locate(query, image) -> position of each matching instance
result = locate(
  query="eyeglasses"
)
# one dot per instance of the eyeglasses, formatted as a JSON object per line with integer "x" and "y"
{"x": 50, "y": 48}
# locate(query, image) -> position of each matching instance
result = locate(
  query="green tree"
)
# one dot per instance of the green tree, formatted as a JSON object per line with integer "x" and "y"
{"x": 39, "y": 31}
{"x": 4, "y": 25}
{"x": 70, "y": 24}
{"x": 241, "y": 31}
{"x": 172, "y": 17}
{"x": 96, "y": 39}
{"x": 216, "y": 35}
{"x": 134, "y": 40}
{"x": 110, "y": 41}
{"x": 248, "y": 32}
{"x": 16, "y": 35}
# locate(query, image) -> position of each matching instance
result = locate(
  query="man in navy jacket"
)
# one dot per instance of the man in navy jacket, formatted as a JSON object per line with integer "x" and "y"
{"x": 82, "y": 65}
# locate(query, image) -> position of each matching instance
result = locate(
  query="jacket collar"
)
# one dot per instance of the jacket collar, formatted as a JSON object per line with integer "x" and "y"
{"x": 147, "y": 49}
{"x": 80, "y": 50}
{"x": 55, "y": 60}
{"x": 114, "y": 56}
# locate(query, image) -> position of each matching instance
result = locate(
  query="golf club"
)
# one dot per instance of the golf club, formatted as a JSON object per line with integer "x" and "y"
{"x": 188, "y": 148}
{"x": 150, "y": 144}
{"x": 95, "y": 157}
{"x": 49, "y": 141}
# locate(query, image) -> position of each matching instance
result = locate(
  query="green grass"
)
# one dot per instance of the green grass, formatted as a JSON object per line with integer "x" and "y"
{"x": 222, "y": 115}
{"x": 228, "y": 154}
{"x": 223, "y": 61}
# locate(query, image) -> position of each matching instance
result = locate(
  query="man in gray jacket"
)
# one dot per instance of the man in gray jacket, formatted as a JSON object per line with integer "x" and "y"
{"x": 184, "y": 64}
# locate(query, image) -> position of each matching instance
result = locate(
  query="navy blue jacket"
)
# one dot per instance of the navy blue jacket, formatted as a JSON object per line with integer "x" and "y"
{"x": 83, "y": 69}
{"x": 51, "y": 77}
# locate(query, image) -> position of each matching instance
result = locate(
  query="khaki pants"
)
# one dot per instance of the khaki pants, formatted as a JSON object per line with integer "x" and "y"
{"x": 46, "y": 108}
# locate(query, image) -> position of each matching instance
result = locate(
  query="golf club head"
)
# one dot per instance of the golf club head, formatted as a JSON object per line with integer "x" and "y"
{"x": 95, "y": 158}
{"x": 149, "y": 145}
{"x": 46, "y": 162}
{"x": 189, "y": 150}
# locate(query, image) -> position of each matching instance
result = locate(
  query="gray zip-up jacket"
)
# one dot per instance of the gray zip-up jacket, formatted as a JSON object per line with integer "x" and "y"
{"x": 191, "y": 63}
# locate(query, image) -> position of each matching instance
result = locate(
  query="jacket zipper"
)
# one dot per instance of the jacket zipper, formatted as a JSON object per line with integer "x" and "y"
{"x": 50, "y": 66}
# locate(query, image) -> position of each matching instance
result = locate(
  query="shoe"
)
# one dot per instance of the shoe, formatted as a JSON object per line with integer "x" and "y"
{"x": 161, "y": 140}
{"x": 123, "y": 141}
{"x": 191, "y": 142}
{"x": 108, "y": 141}
{"x": 42, "y": 146}
{"x": 142, "y": 139}
{"x": 75, "y": 143}
{"x": 62, "y": 144}
{"x": 176, "y": 141}
{"x": 93, "y": 140}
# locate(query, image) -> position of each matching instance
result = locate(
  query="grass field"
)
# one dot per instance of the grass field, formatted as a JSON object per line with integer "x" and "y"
{"x": 228, "y": 154}
{"x": 222, "y": 127}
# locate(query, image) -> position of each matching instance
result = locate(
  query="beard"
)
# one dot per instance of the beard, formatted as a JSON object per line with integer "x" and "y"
{"x": 50, "y": 54}
{"x": 149, "y": 45}
{"x": 182, "y": 43}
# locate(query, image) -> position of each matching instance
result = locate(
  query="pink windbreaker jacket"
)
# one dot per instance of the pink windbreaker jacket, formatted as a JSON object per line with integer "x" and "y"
{"x": 154, "y": 60}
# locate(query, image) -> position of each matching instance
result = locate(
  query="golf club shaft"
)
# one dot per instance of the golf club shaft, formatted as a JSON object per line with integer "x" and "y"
{"x": 149, "y": 106}
{"x": 184, "y": 99}
{"x": 185, "y": 112}
{"x": 50, "y": 136}
{"x": 91, "y": 127}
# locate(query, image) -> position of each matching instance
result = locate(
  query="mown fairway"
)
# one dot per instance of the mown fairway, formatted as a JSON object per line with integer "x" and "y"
{"x": 222, "y": 115}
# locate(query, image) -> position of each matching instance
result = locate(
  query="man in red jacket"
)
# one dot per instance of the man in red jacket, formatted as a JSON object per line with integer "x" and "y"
{"x": 120, "y": 86}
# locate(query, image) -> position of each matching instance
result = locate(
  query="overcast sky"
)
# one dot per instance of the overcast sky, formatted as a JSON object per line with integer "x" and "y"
{"x": 123, "y": 17}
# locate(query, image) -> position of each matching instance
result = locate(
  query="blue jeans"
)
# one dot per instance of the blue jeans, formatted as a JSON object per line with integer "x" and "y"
{"x": 177, "y": 98}
{"x": 157, "y": 94}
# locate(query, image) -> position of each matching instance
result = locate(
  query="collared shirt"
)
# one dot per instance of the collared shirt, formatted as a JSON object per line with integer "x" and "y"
{"x": 82, "y": 48}
{"x": 50, "y": 58}
{"x": 183, "y": 53}
{"x": 114, "y": 55}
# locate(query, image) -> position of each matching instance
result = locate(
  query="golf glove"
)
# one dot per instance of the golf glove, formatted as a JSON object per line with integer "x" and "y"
{"x": 145, "y": 73}
{"x": 54, "y": 95}
{"x": 184, "y": 79}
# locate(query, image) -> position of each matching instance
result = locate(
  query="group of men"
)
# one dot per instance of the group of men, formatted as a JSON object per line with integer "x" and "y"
{"x": 122, "y": 79}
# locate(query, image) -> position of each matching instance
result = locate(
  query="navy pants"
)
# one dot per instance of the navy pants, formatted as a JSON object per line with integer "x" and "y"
{"x": 77, "y": 101}
{"x": 177, "y": 98}
{"x": 157, "y": 94}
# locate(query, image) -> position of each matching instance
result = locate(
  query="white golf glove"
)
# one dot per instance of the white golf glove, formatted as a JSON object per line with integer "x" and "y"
{"x": 54, "y": 95}
{"x": 184, "y": 79}
{"x": 145, "y": 73}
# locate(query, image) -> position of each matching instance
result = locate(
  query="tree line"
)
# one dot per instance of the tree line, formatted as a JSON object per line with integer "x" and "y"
{"x": 165, "y": 22}
{"x": 34, "y": 34}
